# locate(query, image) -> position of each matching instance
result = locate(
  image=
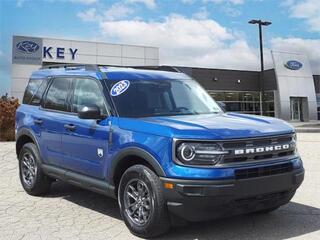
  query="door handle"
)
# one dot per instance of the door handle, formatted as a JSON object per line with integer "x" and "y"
{"x": 70, "y": 127}
{"x": 38, "y": 121}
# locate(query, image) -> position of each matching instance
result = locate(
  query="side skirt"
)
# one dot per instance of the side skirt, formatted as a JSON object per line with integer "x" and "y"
{"x": 80, "y": 180}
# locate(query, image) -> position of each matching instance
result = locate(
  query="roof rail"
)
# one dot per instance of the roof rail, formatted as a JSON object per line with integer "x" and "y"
{"x": 96, "y": 67}
{"x": 88, "y": 67}
{"x": 160, "y": 68}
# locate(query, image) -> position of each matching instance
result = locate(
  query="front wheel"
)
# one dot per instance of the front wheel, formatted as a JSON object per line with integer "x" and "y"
{"x": 32, "y": 178}
{"x": 142, "y": 205}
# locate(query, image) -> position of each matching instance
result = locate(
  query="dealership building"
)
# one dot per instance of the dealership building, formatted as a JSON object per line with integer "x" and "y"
{"x": 291, "y": 91}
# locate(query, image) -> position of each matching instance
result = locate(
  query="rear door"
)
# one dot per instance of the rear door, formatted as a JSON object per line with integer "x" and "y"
{"x": 55, "y": 108}
{"x": 85, "y": 141}
{"x": 31, "y": 104}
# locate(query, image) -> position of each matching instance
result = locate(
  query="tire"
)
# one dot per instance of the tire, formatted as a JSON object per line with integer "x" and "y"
{"x": 32, "y": 178}
{"x": 268, "y": 210}
{"x": 144, "y": 218}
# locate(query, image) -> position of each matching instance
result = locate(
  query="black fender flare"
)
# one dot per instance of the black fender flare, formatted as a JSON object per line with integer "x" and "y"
{"x": 25, "y": 132}
{"x": 133, "y": 151}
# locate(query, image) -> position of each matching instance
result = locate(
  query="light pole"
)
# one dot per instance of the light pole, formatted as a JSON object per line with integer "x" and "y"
{"x": 261, "y": 23}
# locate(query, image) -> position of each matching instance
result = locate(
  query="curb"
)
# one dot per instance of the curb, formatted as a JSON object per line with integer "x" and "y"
{"x": 307, "y": 130}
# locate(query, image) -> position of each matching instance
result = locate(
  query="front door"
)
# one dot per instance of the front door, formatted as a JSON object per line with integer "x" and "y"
{"x": 85, "y": 141}
{"x": 296, "y": 108}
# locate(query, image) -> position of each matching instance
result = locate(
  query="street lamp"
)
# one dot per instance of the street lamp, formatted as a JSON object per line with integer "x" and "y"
{"x": 261, "y": 23}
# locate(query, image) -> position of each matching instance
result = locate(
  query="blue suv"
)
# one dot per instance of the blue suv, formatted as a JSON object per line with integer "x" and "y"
{"x": 156, "y": 141}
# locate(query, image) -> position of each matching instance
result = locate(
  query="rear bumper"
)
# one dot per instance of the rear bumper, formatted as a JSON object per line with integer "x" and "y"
{"x": 198, "y": 200}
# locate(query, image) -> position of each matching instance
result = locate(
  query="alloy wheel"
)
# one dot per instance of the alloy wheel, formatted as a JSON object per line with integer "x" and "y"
{"x": 28, "y": 169}
{"x": 138, "y": 202}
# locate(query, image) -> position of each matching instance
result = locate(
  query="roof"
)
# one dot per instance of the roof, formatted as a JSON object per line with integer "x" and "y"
{"x": 110, "y": 73}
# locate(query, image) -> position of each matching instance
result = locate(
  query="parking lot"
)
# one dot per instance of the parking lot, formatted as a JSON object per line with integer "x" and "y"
{"x": 72, "y": 213}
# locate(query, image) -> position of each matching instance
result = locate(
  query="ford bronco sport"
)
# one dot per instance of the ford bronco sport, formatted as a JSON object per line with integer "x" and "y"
{"x": 156, "y": 141}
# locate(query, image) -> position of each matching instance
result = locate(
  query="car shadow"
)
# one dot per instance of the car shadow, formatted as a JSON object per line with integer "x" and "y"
{"x": 85, "y": 198}
{"x": 289, "y": 221}
{"x": 292, "y": 220}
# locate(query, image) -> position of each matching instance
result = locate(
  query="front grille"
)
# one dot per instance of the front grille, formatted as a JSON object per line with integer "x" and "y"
{"x": 244, "y": 144}
{"x": 263, "y": 171}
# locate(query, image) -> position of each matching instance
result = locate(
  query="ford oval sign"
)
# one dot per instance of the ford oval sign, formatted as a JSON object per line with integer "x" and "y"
{"x": 27, "y": 47}
{"x": 119, "y": 88}
{"x": 293, "y": 65}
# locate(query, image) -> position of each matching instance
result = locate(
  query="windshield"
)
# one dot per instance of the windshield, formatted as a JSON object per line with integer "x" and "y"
{"x": 143, "y": 98}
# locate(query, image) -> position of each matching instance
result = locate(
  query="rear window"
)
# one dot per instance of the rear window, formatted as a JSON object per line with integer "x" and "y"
{"x": 57, "y": 95}
{"x": 34, "y": 91}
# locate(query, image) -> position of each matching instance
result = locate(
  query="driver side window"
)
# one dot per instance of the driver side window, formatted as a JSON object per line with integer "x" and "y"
{"x": 87, "y": 92}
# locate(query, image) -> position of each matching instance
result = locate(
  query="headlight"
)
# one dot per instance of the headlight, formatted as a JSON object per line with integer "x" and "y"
{"x": 189, "y": 153}
{"x": 294, "y": 143}
{"x": 294, "y": 137}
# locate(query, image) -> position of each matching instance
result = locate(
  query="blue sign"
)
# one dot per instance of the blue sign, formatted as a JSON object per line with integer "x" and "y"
{"x": 293, "y": 65}
{"x": 119, "y": 88}
{"x": 27, "y": 47}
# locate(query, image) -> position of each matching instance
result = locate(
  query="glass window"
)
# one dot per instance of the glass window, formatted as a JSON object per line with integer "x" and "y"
{"x": 248, "y": 102}
{"x": 58, "y": 94}
{"x": 218, "y": 96}
{"x": 87, "y": 92}
{"x": 146, "y": 98}
{"x": 269, "y": 106}
{"x": 36, "y": 99}
{"x": 269, "y": 96}
{"x": 31, "y": 89}
{"x": 233, "y": 106}
{"x": 232, "y": 96}
{"x": 249, "y": 96}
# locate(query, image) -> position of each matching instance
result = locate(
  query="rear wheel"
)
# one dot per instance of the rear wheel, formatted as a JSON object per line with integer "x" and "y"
{"x": 141, "y": 202}
{"x": 32, "y": 178}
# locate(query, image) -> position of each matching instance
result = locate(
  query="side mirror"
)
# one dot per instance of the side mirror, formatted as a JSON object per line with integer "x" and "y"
{"x": 90, "y": 112}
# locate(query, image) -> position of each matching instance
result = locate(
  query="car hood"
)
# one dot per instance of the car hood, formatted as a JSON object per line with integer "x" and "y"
{"x": 209, "y": 126}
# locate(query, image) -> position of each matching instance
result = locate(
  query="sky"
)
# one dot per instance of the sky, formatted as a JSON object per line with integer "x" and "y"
{"x": 198, "y": 33}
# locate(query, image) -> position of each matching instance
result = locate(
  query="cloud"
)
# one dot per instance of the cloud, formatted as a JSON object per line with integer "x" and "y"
{"x": 196, "y": 41}
{"x": 151, "y": 4}
{"x": 227, "y": 7}
{"x": 116, "y": 11}
{"x": 308, "y": 46}
{"x": 89, "y": 15}
{"x": 231, "y": 11}
{"x": 202, "y": 13}
{"x": 86, "y": 2}
{"x": 185, "y": 41}
{"x": 234, "y": 2}
{"x": 188, "y": 1}
{"x": 308, "y": 10}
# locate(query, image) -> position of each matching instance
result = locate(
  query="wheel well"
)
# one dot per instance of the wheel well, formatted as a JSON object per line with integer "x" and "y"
{"x": 22, "y": 140}
{"x": 124, "y": 164}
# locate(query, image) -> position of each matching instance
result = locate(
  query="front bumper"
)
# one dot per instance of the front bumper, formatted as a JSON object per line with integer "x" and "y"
{"x": 199, "y": 200}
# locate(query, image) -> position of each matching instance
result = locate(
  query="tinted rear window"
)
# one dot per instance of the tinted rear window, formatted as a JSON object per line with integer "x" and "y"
{"x": 57, "y": 95}
{"x": 34, "y": 91}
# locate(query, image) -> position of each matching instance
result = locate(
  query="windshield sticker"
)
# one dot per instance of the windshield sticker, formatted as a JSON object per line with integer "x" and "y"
{"x": 119, "y": 88}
